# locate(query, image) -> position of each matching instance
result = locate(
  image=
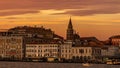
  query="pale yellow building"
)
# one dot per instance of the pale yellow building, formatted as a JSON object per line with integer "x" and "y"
{"x": 61, "y": 51}
{"x": 65, "y": 50}
{"x": 82, "y": 52}
{"x": 42, "y": 50}
{"x": 70, "y": 51}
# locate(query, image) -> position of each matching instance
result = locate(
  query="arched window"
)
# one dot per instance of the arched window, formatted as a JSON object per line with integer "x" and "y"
{"x": 81, "y": 51}
{"x": 73, "y": 57}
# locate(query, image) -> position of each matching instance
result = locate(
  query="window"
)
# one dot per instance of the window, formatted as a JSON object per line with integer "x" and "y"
{"x": 73, "y": 50}
{"x": 58, "y": 50}
{"x": 81, "y": 51}
{"x": 89, "y": 51}
{"x": 38, "y": 50}
{"x": 66, "y": 55}
{"x": 76, "y": 50}
{"x": 69, "y": 51}
{"x": 62, "y": 50}
{"x": 66, "y": 51}
{"x": 62, "y": 55}
{"x": 86, "y": 50}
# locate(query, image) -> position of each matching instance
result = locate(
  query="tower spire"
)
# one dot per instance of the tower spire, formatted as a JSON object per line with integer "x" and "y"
{"x": 70, "y": 30}
{"x": 70, "y": 26}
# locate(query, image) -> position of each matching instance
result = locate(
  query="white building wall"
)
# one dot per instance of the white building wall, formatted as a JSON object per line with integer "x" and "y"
{"x": 86, "y": 51}
{"x": 42, "y": 50}
{"x": 66, "y": 51}
{"x": 63, "y": 51}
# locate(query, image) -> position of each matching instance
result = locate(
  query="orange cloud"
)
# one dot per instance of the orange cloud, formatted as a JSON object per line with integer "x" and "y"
{"x": 92, "y": 6}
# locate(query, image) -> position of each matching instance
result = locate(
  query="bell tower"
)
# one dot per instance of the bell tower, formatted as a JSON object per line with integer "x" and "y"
{"x": 70, "y": 31}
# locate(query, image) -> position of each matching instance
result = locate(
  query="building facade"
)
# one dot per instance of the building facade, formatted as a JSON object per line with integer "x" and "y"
{"x": 79, "y": 53}
{"x": 96, "y": 54}
{"x": 65, "y": 50}
{"x": 12, "y": 47}
{"x": 82, "y": 53}
{"x": 110, "y": 51}
{"x": 42, "y": 50}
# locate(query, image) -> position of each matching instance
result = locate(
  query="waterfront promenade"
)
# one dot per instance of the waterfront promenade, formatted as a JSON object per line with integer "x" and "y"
{"x": 51, "y": 65}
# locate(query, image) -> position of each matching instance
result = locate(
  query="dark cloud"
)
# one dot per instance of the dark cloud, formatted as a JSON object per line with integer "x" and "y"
{"x": 11, "y": 18}
{"x": 18, "y": 18}
{"x": 92, "y": 11}
{"x": 92, "y": 6}
{"x": 16, "y": 13}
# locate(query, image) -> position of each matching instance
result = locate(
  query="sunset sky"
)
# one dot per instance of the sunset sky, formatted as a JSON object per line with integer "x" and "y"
{"x": 100, "y": 18}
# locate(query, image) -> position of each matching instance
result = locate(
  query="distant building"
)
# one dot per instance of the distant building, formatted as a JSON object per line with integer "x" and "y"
{"x": 12, "y": 47}
{"x": 115, "y": 40}
{"x": 86, "y": 53}
{"x": 79, "y": 53}
{"x": 66, "y": 52}
{"x": 82, "y": 53}
{"x": 110, "y": 52}
{"x": 37, "y": 51}
{"x": 28, "y": 31}
{"x": 91, "y": 42}
{"x": 96, "y": 54}
{"x": 33, "y": 34}
{"x": 74, "y": 37}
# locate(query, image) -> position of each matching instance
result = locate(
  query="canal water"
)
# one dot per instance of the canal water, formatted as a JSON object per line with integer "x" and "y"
{"x": 52, "y": 65}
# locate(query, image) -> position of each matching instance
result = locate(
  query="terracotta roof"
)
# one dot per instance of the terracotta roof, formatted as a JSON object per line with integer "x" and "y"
{"x": 116, "y": 36}
{"x": 88, "y": 38}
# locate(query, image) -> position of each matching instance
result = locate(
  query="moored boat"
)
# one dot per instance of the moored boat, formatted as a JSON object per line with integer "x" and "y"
{"x": 86, "y": 64}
